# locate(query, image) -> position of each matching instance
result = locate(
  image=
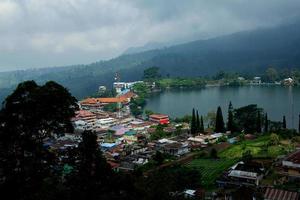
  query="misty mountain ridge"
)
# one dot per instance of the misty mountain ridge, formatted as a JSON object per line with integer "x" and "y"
{"x": 247, "y": 52}
{"x": 148, "y": 46}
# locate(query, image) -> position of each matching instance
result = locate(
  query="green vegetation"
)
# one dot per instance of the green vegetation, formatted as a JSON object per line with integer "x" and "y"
{"x": 246, "y": 118}
{"x": 112, "y": 107}
{"x": 220, "y": 127}
{"x": 260, "y": 147}
{"x": 193, "y": 59}
{"x": 143, "y": 90}
{"x": 193, "y": 123}
{"x": 151, "y": 73}
{"x": 230, "y": 122}
{"x": 159, "y": 133}
{"x": 186, "y": 119}
{"x": 33, "y": 113}
{"x": 211, "y": 169}
{"x": 106, "y": 93}
{"x": 136, "y": 105}
{"x": 181, "y": 83}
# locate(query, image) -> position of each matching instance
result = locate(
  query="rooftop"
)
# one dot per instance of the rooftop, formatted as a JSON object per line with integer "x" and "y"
{"x": 128, "y": 95}
{"x": 104, "y": 100}
{"x": 159, "y": 116}
{"x": 294, "y": 157}
{"x": 84, "y": 113}
{"x": 277, "y": 194}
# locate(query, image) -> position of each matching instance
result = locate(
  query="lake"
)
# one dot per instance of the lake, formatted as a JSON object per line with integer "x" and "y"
{"x": 275, "y": 100}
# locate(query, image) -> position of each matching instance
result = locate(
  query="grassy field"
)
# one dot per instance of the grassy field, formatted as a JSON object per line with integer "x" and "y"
{"x": 211, "y": 169}
{"x": 258, "y": 147}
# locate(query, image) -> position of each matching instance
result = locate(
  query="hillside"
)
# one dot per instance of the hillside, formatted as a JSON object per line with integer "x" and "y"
{"x": 248, "y": 52}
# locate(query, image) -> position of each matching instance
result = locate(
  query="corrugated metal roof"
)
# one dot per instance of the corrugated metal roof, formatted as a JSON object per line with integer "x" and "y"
{"x": 276, "y": 194}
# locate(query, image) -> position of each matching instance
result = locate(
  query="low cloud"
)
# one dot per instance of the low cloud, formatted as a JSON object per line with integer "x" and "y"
{"x": 38, "y": 33}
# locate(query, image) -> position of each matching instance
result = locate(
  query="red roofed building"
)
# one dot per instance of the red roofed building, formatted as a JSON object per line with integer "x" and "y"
{"x": 159, "y": 118}
{"x": 85, "y": 115}
{"x": 128, "y": 95}
{"x": 98, "y": 102}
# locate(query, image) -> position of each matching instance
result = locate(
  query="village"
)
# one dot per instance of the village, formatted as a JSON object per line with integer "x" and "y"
{"x": 130, "y": 143}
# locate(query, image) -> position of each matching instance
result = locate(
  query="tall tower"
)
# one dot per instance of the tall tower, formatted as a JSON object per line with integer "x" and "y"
{"x": 119, "y": 108}
{"x": 118, "y": 89}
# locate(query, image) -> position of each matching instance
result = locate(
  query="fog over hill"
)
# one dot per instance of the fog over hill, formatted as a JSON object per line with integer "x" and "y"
{"x": 246, "y": 52}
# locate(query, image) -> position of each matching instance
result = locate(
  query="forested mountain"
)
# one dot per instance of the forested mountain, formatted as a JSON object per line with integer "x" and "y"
{"x": 247, "y": 52}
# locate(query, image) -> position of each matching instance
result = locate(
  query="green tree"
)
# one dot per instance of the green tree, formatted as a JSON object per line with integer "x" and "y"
{"x": 299, "y": 125}
{"x": 92, "y": 175}
{"x": 220, "y": 75}
{"x": 230, "y": 122}
{"x": 198, "y": 124}
{"x": 151, "y": 73}
{"x": 274, "y": 139}
{"x": 210, "y": 118}
{"x": 161, "y": 183}
{"x": 193, "y": 123}
{"x": 266, "y": 126}
{"x": 258, "y": 123}
{"x": 220, "y": 127}
{"x": 29, "y": 115}
{"x": 272, "y": 74}
{"x": 201, "y": 125}
{"x": 136, "y": 105}
{"x": 148, "y": 112}
{"x": 283, "y": 122}
{"x": 246, "y": 118}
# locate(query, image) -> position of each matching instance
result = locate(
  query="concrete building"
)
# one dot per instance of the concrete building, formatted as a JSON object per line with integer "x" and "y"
{"x": 247, "y": 174}
{"x": 159, "y": 118}
{"x": 290, "y": 166}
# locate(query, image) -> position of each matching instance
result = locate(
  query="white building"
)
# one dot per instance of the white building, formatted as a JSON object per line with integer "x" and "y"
{"x": 120, "y": 86}
{"x": 288, "y": 81}
{"x": 256, "y": 80}
{"x": 105, "y": 122}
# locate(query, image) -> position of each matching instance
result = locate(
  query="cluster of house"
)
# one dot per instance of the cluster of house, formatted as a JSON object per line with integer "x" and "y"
{"x": 258, "y": 81}
{"x": 123, "y": 138}
{"x": 126, "y": 144}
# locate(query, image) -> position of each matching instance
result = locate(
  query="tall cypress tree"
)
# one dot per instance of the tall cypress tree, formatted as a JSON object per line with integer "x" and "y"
{"x": 283, "y": 122}
{"x": 193, "y": 123}
{"x": 197, "y": 122}
{"x": 230, "y": 126}
{"x": 201, "y": 125}
{"x": 258, "y": 123}
{"x": 299, "y": 125}
{"x": 266, "y": 126}
{"x": 220, "y": 127}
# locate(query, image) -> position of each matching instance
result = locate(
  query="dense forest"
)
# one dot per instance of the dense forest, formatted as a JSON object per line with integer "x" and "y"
{"x": 247, "y": 52}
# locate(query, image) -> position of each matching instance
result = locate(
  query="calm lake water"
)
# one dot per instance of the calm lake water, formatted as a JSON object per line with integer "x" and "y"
{"x": 275, "y": 100}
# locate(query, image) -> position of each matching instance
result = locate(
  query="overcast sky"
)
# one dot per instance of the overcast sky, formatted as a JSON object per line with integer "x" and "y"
{"x": 40, "y": 33}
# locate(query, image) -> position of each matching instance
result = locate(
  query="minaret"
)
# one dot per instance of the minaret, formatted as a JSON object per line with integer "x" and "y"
{"x": 117, "y": 79}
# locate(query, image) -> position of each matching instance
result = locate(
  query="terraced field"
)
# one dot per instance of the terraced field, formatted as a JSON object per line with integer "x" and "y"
{"x": 257, "y": 147}
{"x": 211, "y": 169}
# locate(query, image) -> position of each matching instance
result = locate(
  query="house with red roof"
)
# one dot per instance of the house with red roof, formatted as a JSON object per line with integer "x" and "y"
{"x": 159, "y": 118}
